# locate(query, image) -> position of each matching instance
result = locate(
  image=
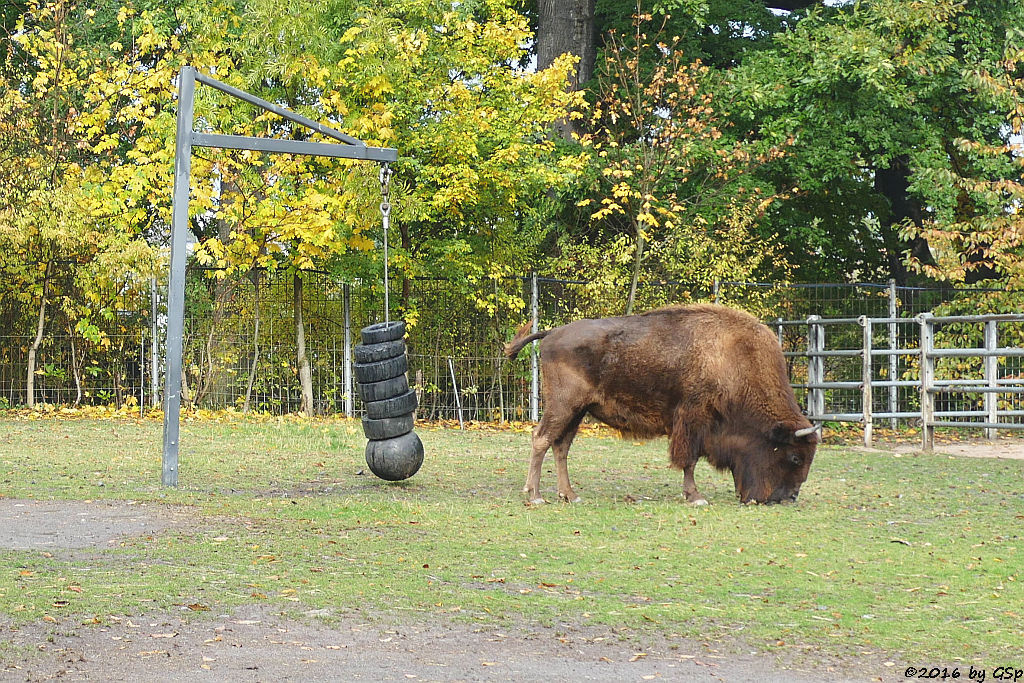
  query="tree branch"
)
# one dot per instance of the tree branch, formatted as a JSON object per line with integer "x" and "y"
{"x": 790, "y": 5}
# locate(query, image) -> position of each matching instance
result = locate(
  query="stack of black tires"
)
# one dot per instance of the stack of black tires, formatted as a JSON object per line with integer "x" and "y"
{"x": 393, "y": 452}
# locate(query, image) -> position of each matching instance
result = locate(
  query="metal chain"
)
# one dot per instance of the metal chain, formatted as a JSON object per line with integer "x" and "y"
{"x": 385, "y": 188}
{"x": 385, "y": 213}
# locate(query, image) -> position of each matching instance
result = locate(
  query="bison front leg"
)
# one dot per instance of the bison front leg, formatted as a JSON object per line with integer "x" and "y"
{"x": 693, "y": 496}
{"x": 684, "y": 451}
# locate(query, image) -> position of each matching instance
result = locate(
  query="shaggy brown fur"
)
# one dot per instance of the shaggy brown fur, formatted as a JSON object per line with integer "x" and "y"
{"x": 711, "y": 378}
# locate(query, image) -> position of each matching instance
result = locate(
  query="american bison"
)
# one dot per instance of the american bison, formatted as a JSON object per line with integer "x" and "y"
{"x": 711, "y": 378}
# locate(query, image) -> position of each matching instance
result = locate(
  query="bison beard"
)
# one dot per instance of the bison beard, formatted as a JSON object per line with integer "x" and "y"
{"x": 711, "y": 378}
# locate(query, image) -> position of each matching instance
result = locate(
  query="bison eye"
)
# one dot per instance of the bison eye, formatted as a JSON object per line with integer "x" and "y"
{"x": 795, "y": 459}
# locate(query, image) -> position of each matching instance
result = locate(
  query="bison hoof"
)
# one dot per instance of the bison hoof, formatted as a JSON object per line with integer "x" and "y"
{"x": 536, "y": 501}
{"x": 698, "y": 502}
{"x": 570, "y": 499}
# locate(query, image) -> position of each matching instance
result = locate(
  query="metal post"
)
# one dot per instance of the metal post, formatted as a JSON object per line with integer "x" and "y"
{"x": 142, "y": 375}
{"x": 176, "y": 281}
{"x": 154, "y": 350}
{"x": 991, "y": 378}
{"x": 455, "y": 388}
{"x": 866, "y": 397}
{"x": 346, "y": 295}
{"x": 894, "y": 396}
{"x": 812, "y": 368}
{"x": 715, "y": 290}
{"x": 815, "y": 366}
{"x": 534, "y": 370}
{"x": 927, "y": 383}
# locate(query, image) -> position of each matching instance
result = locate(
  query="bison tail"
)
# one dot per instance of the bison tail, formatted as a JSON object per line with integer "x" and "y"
{"x": 522, "y": 338}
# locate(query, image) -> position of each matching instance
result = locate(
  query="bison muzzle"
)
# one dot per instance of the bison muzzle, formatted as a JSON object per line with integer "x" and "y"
{"x": 711, "y": 378}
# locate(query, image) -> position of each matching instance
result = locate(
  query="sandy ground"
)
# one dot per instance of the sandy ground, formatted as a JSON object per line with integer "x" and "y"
{"x": 258, "y": 644}
{"x": 1000, "y": 448}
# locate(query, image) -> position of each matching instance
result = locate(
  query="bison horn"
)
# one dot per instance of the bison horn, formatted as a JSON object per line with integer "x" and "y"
{"x": 806, "y": 431}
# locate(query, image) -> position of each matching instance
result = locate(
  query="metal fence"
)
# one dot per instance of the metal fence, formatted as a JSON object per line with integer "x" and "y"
{"x": 938, "y": 371}
{"x": 240, "y": 343}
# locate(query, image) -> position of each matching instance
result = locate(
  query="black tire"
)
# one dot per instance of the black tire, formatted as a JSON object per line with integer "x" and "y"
{"x": 383, "y": 332}
{"x": 392, "y": 407}
{"x": 389, "y": 388}
{"x": 382, "y": 369}
{"x": 371, "y": 353}
{"x": 395, "y": 459}
{"x": 387, "y": 428}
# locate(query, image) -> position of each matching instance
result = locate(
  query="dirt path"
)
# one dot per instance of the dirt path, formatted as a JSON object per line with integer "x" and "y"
{"x": 257, "y": 645}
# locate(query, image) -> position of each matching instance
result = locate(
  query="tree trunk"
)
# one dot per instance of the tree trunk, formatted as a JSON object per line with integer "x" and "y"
{"x": 893, "y": 182}
{"x": 255, "y": 276}
{"x": 305, "y": 373}
{"x": 567, "y": 26}
{"x": 30, "y": 379}
{"x": 76, "y": 371}
{"x": 403, "y": 229}
{"x": 637, "y": 260}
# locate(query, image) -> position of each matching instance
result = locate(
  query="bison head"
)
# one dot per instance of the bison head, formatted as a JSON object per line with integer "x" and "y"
{"x": 774, "y": 472}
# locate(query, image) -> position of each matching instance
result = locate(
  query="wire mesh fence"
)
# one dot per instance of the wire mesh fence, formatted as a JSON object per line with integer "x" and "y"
{"x": 240, "y": 339}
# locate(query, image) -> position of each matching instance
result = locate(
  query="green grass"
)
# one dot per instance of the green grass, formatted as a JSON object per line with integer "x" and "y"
{"x": 914, "y": 556}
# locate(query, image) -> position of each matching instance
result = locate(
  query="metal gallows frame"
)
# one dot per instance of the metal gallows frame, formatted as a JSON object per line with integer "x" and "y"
{"x": 185, "y": 139}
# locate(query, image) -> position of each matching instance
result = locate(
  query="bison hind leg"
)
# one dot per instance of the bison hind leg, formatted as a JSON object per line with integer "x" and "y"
{"x": 556, "y": 434}
{"x": 539, "y": 446}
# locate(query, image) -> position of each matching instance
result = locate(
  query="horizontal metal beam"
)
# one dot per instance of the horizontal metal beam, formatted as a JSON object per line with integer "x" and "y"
{"x": 895, "y": 352}
{"x": 883, "y": 383}
{"x": 978, "y": 425}
{"x": 280, "y": 111}
{"x": 993, "y": 317}
{"x": 278, "y": 146}
{"x": 836, "y": 353}
{"x": 836, "y": 417}
{"x": 970, "y": 353}
{"x": 829, "y": 385}
{"x": 974, "y": 390}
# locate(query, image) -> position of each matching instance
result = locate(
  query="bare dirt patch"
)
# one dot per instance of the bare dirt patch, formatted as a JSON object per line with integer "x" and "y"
{"x": 69, "y": 525}
{"x": 1003, "y": 447}
{"x": 257, "y": 644}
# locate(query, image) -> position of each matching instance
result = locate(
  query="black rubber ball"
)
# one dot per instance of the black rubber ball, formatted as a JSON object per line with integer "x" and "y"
{"x": 395, "y": 459}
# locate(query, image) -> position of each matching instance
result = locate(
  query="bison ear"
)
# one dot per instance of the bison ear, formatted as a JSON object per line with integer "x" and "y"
{"x": 788, "y": 433}
{"x": 782, "y": 433}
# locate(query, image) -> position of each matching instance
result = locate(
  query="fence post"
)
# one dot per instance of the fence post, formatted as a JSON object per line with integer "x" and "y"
{"x": 927, "y": 382}
{"x": 154, "y": 351}
{"x": 142, "y": 375}
{"x": 991, "y": 378}
{"x": 815, "y": 367}
{"x": 716, "y": 288}
{"x": 894, "y": 396}
{"x": 866, "y": 398}
{"x": 455, "y": 388}
{"x": 534, "y": 370}
{"x": 346, "y": 297}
